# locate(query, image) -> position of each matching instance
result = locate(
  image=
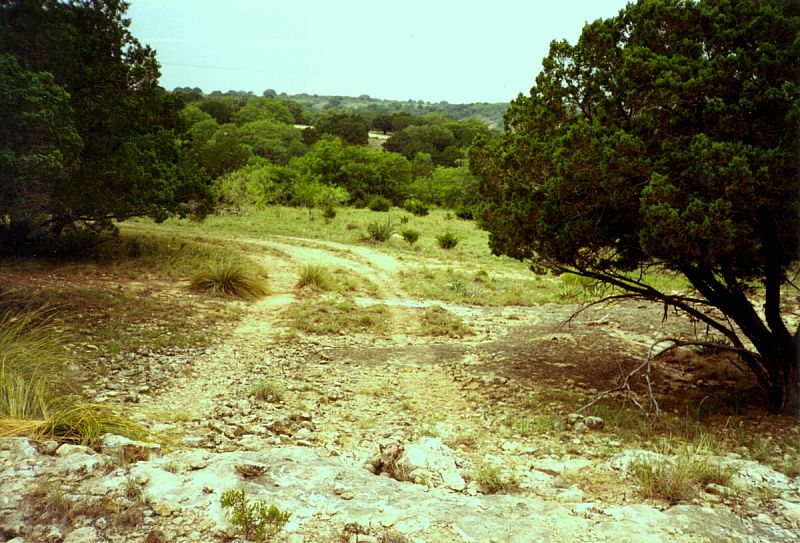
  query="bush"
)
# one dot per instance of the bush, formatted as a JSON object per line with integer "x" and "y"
{"x": 411, "y": 236}
{"x": 229, "y": 277}
{"x": 315, "y": 276}
{"x": 379, "y": 203}
{"x": 258, "y": 521}
{"x": 417, "y": 207}
{"x": 328, "y": 213}
{"x": 465, "y": 213}
{"x": 447, "y": 240}
{"x": 380, "y": 231}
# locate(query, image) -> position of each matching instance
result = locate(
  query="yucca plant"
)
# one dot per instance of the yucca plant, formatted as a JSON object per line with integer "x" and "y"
{"x": 380, "y": 231}
{"x": 229, "y": 277}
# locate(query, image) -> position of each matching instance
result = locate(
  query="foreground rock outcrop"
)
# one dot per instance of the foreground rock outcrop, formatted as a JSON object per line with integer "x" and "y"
{"x": 175, "y": 497}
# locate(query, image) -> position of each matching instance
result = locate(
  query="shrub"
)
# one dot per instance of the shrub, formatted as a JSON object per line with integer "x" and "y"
{"x": 417, "y": 207}
{"x": 380, "y": 231}
{"x": 411, "y": 236}
{"x": 229, "y": 277}
{"x": 448, "y": 240}
{"x": 491, "y": 480}
{"x": 328, "y": 213}
{"x": 257, "y": 520}
{"x": 315, "y": 276}
{"x": 379, "y": 203}
{"x": 465, "y": 213}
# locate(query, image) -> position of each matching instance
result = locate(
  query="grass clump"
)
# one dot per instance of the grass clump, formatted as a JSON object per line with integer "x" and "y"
{"x": 38, "y": 396}
{"x": 315, "y": 276}
{"x": 491, "y": 479}
{"x": 417, "y": 207}
{"x": 229, "y": 277}
{"x": 411, "y": 236}
{"x": 437, "y": 321}
{"x": 447, "y": 241}
{"x": 380, "y": 231}
{"x": 679, "y": 478}
{"x": 335, "y": 316}
{"x": 257, "y": 520}
{"x": 268, "y": 391}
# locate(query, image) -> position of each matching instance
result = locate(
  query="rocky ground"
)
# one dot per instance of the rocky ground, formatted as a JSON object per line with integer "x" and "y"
{"x": 393, "y": 436}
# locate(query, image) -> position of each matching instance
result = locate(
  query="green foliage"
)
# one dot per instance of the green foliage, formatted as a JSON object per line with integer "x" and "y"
{"x": 411, "y": 236}
{"x": 229, "y": 277}
{"x": 379, "y": 203}
{"x": 611, "y": 165}
{"x": 447, "y": 187}
{"x": 257, "y": 520}
{"x": 360, "y": 171}
{"x": 352, "y": 129}
{"x": 417, "y": 207}
{"x": 491, "y": 479}
{"x": 448, "y": 240}
{"x": 110, "y": 141}
{"x": 380, "y": 231}
{"x": 257, "y": 184}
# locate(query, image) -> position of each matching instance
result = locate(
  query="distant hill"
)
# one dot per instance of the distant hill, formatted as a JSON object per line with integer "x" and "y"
{"x": 490, "y": 113}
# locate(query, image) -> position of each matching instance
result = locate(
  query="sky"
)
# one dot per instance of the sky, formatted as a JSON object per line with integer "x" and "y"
{"x": 433, "y": 50}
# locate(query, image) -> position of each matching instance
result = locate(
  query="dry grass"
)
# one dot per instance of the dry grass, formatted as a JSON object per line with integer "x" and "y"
{"x": 330, "y": 315}
{"x": 437, "y": 321}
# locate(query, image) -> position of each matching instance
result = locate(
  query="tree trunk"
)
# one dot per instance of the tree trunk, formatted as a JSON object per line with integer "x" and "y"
{"x": 789, "y": 401}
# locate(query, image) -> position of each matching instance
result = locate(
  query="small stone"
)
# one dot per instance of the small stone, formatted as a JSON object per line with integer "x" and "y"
{"x": 86, "y": 534}
{"x": 68, "y": 449}
{"x": 594, "y": 423}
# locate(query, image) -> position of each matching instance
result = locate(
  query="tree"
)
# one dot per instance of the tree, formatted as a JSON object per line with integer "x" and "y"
{"x": 351, "y": 128}
{"x": 115, "y": 139}
{"x": 667, "y": 137}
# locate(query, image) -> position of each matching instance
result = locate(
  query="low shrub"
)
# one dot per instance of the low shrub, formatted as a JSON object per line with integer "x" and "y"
{"x": 257, "y": 520}
{"x": 379, "y": 203}
{"x": 411, "y": 236}
{"x": 448, "y": 240}
{"x": 417, "y": 207}
{"x": 465, "y": 213}
{"x": 229, "y": 277}
{"x": 268, "y": 391}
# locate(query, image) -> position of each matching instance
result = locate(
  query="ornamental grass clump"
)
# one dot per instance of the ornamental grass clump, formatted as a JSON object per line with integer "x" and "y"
{"x": 230, "y": 277}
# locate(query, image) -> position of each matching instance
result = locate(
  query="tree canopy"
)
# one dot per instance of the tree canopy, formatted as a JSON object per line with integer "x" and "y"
{"x": 111, "y": 140}
{"x": 666, "y": 137}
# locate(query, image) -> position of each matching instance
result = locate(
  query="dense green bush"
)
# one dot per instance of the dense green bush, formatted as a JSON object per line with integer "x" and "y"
{"x": 417, "y": 207}
{"x": 379, "y": 203}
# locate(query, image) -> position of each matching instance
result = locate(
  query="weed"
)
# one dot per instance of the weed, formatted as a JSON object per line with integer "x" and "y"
{"x": 677, "y": 479}
{"x": 411, "y": 236}
{"x": 48, "y": 504}
{"x": 268, "y": 391}
{"x": 380, "y": 231}
{"x": 491, "y": 479}
{"x": 229, "y": 277}
{"x": 257, "y": 520}
{"x": 315, "y": 276}
{"x": 334, "y": 316}
{"x": 447, "y": 241}
{"x": 437, "y": 321}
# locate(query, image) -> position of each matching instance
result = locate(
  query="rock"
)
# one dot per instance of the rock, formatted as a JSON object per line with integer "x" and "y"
{"x": 622, "y": 462}
{"x": 155, "y": 536}
{"x": 295, "y": 538}
{"x": 86, "y": 534}
{"x": 251, "y": 470}
{"x": 751, "y": 476}
{"x": 127, "y": 449}
{"x": 720, "y": 490}
{"x": 430, "y": 455}
{"x": 594, "y": 423}
{"x": 580, "y": 427}
{"x": 68, "y": 449}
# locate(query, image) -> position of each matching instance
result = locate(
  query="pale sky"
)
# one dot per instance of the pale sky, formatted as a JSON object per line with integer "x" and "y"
{"x": 459, "y": 51}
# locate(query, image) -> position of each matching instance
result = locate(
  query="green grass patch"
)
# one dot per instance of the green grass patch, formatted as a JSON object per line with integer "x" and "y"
{"x": 330, "y": 315}
{"x": 437, "y": 321}
{"x": 315, "y": 276}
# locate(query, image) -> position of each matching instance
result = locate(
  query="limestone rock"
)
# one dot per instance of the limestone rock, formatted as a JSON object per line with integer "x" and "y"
{"x": 428, "y": 460}
{"x": 87, "y": 534}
